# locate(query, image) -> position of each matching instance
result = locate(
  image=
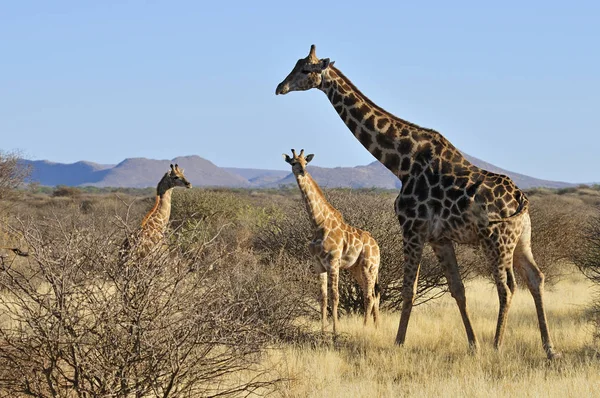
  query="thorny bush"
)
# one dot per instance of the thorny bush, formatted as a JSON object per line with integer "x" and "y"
{"x": 76, "y": 321}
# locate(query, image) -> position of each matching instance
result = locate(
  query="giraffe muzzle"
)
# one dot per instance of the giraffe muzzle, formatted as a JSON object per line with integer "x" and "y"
{"x": 282, "y": 89}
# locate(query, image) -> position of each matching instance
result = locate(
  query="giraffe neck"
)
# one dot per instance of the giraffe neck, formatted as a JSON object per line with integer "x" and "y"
{"x": 393, "y": 141}
{"x": 317, "y": 206}
{"x": 158, "y": 217}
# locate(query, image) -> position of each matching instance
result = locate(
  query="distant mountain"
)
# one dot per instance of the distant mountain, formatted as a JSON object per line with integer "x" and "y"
{"x": 51, "y": 173}
{"x": 133, "y": 172}
{"x": 376, "y": 175}
{"x": 143, "y": 172}
{"x": 521, "y": 180}
{"x": 258, "y": 177}
{"x": 373, "y": 175}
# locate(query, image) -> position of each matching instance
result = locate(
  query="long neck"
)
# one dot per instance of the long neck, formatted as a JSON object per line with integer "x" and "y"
{"x": 391, "y": 140}
{"x": 158, "y": 217}
{"x": 317, "y": 206}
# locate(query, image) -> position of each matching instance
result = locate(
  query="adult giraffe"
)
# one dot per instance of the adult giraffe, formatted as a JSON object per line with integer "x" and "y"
{"x": 444, "y": 199}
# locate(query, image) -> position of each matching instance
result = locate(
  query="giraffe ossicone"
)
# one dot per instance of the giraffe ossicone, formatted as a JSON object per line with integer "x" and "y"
{"x": 337, "y": 245}
{"x": 444, "y": 198}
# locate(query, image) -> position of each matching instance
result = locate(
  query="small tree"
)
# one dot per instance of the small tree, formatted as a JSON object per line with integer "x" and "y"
{"x": 12, "y": 173}
{"x": 587, "y": 259}
{"x": 66, "y": 191}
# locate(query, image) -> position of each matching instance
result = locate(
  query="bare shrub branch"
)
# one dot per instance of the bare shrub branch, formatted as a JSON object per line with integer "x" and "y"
{"x": 74, "y": 322}
{"x": 12, "y": 173}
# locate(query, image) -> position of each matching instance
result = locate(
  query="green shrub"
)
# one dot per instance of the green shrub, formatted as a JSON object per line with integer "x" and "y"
{"x": 65, "y": 191}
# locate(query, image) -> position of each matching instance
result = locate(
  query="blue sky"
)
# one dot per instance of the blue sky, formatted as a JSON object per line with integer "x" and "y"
{"x": 515, "y": 84}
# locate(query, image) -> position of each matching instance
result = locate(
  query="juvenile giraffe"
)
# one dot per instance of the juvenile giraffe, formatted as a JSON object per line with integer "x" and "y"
{"x": 337, "y": 245}
{"x": 444, "y": 199}
{"x": 154, "y": 225}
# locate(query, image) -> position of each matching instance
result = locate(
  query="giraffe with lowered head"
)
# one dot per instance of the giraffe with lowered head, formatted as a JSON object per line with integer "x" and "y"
{"x": 151, "y": 232}
{"x": 444, "y": 199}
{"x": 337, "y": 245}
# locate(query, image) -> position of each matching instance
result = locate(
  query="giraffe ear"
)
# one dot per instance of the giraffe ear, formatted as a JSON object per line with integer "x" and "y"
{"x": 325, "y": 63}
{"x": 287, "y": 158}
{"x": 308, "y": 158}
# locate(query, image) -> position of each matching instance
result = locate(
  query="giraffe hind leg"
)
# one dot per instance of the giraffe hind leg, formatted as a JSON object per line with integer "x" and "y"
{"x": 377, "y": 293}
{"x": 500, "y": 256}
{"x": 366, "y": 272}
{"x": 323, "y": 287}
{"x": 529, "y": 271}
{"x": 368, "y": 287}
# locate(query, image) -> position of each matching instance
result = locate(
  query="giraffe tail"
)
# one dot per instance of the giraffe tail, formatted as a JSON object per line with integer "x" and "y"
{"x": 523, "y": 208}
{"x": 377, "y": 289}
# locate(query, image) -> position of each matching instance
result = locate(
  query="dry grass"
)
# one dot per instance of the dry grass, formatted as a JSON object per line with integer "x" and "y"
{"x": 435, "y": 361}
{"x": 275, "y": 292}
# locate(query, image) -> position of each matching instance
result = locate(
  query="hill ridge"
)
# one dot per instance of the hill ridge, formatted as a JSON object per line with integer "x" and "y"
{"x": 141, "y": 172}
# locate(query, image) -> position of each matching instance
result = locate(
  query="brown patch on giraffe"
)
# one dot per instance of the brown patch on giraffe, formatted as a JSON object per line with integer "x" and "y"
{"x": 384, "y": 141}
{"x": 424, "y": 154}
{"x": 350, "y": 100}
{"x": 365, "y": 138}
{"x": 344, "y": 114}
{"x": 408, "y": 187}
{"x": 405, "y": 146}
{"x": 357, "y": 114}
{"x": 337, "y": 98}
{"x": 392, "y": 161}
{"x": 382, "y": 122}
{"x": 377, "y": 153}
{"x": 352, "y": 125}
{"x": 370, "y": 123}
{"x": 437, "y": 192}
{"x": 447, "y": 180}
{"x": 405, "y": 165}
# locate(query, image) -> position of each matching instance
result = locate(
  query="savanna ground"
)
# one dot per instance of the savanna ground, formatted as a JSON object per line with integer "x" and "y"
{"x": 229, "y": 307}
{"x": 435, "y": 362}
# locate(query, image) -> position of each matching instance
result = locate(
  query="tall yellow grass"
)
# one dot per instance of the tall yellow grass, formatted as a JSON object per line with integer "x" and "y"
{"x": 435, "y": 361}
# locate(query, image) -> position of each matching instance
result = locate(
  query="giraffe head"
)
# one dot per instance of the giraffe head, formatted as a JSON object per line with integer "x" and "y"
{"x": 306, "y": 74}
{"x": 173, "y": 178}
{"x": 298, "y": 162}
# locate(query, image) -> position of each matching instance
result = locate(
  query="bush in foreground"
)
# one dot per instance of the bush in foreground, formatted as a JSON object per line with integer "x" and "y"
{"x": 76, "y": 321}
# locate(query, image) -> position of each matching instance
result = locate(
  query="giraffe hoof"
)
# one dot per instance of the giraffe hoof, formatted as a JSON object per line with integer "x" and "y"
{"x": 553, "y": 356}
{"x": 473, "y": 349}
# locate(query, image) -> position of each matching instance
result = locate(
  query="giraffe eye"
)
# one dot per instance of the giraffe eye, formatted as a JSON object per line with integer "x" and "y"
{"x": 176, "y": 178}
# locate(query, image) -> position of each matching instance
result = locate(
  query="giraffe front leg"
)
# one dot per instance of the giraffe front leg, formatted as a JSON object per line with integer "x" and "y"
{"x": 447, "y": 258}
{"x": 413, "y": 250}
{"x": 334, "y": 272}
